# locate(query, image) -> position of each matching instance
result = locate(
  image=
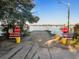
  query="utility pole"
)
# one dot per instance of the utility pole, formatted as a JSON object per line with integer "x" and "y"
{"x": 68, "y": 15}
{"x": 68, "y": 6}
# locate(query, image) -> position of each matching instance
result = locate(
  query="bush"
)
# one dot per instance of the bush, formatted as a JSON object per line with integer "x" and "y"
{"x": 25, "y": 33}
{"x": 76, "y": 31}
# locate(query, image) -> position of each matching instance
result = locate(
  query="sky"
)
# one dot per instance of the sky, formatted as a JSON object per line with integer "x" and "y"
{"x": 54, "y": 12}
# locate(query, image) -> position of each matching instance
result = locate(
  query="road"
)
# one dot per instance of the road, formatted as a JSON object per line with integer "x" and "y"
{"x": 6, "y": 46}
{"x": 35, "y": 50}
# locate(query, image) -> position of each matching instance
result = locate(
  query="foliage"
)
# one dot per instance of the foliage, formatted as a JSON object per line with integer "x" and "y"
{"x": 76, "y": 28}
{"x": 14, "y": 10}
{"x": 18, "y": 10}
{"x": 76, "y": 31}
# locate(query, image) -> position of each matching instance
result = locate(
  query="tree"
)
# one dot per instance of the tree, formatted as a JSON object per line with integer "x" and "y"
{"x": 14, "y": 10}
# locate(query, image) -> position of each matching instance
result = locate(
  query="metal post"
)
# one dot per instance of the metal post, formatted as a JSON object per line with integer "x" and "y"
{"x": 68, "y": 15}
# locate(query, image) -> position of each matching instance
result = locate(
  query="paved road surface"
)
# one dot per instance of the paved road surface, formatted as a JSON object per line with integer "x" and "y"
{"x": 27, "y": 50}
{"x": 6, "y": 46}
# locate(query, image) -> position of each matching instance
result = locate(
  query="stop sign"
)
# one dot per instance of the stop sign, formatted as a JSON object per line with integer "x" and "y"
{"x": 64, "y": 29}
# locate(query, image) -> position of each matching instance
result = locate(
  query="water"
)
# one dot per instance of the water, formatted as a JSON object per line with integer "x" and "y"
{"x": 53, "y": 29}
